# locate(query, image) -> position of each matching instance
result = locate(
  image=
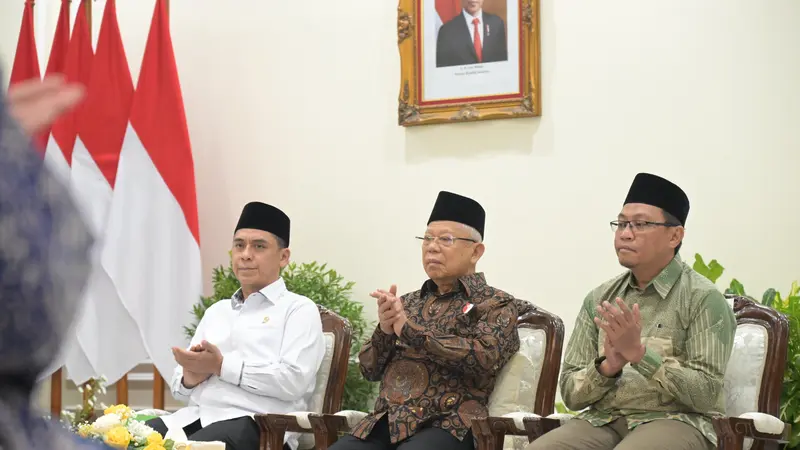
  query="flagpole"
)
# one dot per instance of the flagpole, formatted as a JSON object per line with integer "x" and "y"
{"x": 88, "y": 6}
{"x": 88, "y": 386}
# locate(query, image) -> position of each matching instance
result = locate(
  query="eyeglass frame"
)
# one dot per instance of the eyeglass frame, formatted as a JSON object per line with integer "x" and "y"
{"x": 439, "y": 240}
{"x": 622, "y": 225}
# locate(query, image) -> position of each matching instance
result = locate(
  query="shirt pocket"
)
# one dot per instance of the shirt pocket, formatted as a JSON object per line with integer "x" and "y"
{"x": 261, "y": 339}
{"x": 669, "y": 342}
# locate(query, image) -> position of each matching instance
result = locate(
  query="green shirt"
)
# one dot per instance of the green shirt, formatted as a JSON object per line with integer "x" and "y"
{"x": 687, "y": 327}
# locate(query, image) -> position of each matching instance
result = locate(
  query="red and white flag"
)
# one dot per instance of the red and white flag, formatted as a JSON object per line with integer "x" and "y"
{"x": 26, "y": 60}
{"x": 75, "y": 60}
{"x": 152, "y": 250}
{"x": 72, "y": 58}
{"x": 446, "y": 10}
{"x": 106, "y": 332}
{"x": 58, "y": 52}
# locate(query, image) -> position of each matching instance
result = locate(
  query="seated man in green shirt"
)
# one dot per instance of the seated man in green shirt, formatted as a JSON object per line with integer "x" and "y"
{"x": 649, "y": 350}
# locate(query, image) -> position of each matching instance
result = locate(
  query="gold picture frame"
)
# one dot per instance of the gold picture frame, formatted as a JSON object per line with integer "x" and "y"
{"x": 417, "y": 41}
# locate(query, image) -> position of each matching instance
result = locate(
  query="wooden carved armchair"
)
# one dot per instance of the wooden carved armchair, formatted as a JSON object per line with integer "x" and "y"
{"x": 526, "y": 384}
{"x": 328, "y": 391}
{"x": 753, "y": 382}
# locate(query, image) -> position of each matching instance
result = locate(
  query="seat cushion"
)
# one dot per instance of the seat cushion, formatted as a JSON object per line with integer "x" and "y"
{"x": 317, "y": 400}
{"x": 515, "y": 390}
{"x": 306, "y": 440}
{"x": 745, "y": 370}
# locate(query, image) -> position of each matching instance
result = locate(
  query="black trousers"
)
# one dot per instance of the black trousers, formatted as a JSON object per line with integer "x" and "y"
{"x": 237, "y": 434}
{"x": 423, "y": 439}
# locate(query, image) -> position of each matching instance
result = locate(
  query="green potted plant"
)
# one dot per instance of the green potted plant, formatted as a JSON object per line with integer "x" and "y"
{"x": 790, "y": 307}
{"x": 325, "y": 287}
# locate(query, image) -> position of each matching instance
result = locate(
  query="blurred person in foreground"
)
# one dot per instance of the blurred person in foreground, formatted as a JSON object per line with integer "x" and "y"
{"x": 44, "y": 263}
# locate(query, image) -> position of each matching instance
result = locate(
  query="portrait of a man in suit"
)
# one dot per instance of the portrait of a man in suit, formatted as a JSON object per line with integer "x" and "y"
{"x": 472, "y": 37}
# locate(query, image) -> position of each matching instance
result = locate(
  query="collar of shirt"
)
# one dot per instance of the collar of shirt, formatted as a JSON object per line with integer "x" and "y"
{"x": 468, "y": 283}
{"x": 271, "y": 293}
{"x": 664, "y": 281}
{"x": 468, "y": 17}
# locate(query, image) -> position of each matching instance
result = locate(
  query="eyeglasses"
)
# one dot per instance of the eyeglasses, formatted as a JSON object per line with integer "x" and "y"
{"x": 638, "y": 225}
{"x": 444, "y": 241}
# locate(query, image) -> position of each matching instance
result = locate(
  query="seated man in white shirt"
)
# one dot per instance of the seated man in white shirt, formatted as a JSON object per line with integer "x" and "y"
{"x": 256, "y": 353}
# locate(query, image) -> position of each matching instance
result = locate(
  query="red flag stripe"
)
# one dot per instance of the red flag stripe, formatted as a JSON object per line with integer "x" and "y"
{"x": 159, "y": 118}
{"x": 58, "y": 52}
{"x": 26, "y": 61}
{"x": 77, "y": 68}
{"x": 110, "y": 93}
{"x": 447, "y": 9}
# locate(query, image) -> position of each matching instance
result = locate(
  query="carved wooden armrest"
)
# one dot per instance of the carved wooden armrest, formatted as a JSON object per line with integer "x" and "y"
{"x": 275, "y": 426}
{"x": 328, "y": 427}
{"x": 732, "y": 431}
{"x": 536, "y": 427}
{"x": 490, "y": 432}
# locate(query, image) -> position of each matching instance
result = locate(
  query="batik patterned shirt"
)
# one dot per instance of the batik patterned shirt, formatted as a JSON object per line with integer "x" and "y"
{"x": 687, "y": 327}
{"x": 442, "y": 368}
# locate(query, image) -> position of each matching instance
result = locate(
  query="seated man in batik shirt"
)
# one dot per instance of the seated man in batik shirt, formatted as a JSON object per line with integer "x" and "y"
{"x": 437, "y": 351}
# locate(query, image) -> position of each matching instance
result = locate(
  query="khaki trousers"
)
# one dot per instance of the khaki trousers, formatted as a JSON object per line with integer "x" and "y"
{"x": 662, "y": 434}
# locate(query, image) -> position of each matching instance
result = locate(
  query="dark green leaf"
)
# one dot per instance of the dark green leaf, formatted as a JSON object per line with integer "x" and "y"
{"x": 769, "y": 297}
{"x": 736, "y": 287}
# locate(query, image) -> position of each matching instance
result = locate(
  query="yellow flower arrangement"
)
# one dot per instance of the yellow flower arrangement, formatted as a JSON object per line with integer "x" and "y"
{"x": 155, "y": 438}
{"x": 119, "y": 429}
{"x": 118, "y": 437}
{"x": 155, "y": 447}
{"x": 123, "y": 411}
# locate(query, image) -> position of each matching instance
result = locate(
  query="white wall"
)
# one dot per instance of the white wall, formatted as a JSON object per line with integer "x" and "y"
{"x": 294, "y": 103}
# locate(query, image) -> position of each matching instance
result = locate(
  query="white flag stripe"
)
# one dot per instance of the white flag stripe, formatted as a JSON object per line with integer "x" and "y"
{"x": 54, "y": 158}
{"x": 106, "y": 331}
{"x": 151, "y": 254}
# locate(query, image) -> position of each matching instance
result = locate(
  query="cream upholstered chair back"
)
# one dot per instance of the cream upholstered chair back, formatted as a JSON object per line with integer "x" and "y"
{"x": 753, "y": 378}
{"x": 528, "y": 382}
{"x": 329, "y": 387}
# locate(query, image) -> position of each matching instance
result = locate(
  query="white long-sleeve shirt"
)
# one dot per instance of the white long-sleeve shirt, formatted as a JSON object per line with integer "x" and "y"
{"x": 272, "y": 347}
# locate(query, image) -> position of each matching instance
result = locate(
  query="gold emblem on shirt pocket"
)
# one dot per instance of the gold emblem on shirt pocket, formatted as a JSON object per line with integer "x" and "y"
{"x": 266, "y": 319}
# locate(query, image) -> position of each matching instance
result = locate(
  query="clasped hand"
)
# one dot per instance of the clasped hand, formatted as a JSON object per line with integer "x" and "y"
{"x": 391, "y": 314}
{"x": 199, "y": 362}
{"x": 623, "y": 328}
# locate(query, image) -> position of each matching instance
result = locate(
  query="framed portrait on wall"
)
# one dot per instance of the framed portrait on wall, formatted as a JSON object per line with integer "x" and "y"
{"x": 466, "y": 60}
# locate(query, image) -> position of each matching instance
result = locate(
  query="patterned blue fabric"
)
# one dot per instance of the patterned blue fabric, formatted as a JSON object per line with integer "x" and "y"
{"x": 44, "y": 265}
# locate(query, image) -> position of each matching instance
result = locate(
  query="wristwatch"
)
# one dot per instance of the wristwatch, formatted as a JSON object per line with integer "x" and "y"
{"x": 599, "y": 361}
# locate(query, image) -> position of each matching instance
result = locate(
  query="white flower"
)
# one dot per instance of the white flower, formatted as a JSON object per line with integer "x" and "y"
{"x": 139, "y": 429}
{"x": 107, "y": 422}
